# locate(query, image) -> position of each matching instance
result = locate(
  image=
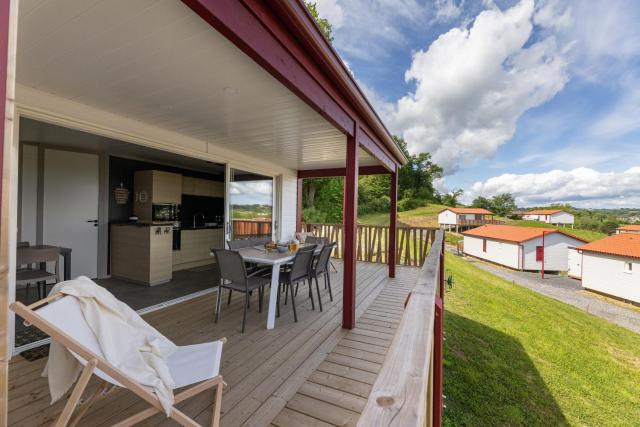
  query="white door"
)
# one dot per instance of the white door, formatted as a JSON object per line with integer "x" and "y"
{"x": 70, "y": 208}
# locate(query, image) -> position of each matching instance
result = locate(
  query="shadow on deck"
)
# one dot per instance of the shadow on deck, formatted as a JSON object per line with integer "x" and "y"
{"x": 306, "y": 373}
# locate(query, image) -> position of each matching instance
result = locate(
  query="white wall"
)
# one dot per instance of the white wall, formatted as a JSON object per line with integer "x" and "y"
{"x": 605, "y": 273}
{"x": 29, "y": 194}
{"x": 504, "y": 253}
{"x": 531, "y": 217}
{"x": 575, "y": 263}
{"x": 556, "y": 256}
{"x": 561, "y": 218}
{"x": 447, "y": 218}
{"x": 289, "y": 197}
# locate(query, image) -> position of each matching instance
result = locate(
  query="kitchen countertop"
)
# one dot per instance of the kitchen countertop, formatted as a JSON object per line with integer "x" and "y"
{"x": 202, "y": 227}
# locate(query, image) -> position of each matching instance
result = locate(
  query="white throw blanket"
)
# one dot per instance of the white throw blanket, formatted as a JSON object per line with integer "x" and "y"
{"x": 126, "y": 340}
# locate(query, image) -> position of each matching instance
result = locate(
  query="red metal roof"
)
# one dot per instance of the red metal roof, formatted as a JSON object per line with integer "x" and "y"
{"x": 478, "y": 211}
{"x": 513, "y": 233}
{"x": 625, "y": 244}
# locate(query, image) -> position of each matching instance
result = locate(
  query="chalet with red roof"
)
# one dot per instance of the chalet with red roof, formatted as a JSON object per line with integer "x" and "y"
{"x": 456, "y": 218}
{"x": 629, "y": 228}
{"x": 521, "y": 248}
{"x": 612, "y": 266}
{"x": 550, "y": 216}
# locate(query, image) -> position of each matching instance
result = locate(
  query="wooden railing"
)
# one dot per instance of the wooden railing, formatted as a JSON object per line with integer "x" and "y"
{"x": 467, "y": 222}
{"x": 373, "y": 241}
{"x": 408, "y": 390}
{"x": 246, "y": 228}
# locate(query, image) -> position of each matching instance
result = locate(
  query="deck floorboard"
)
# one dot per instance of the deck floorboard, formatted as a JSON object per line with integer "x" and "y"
{"x": 295, "y": 374}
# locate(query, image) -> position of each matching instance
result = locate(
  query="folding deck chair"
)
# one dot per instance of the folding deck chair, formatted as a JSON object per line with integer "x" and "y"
{"x": 62, "y": 319}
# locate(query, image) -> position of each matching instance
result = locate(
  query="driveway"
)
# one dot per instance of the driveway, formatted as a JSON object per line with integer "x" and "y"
{"x": 568, "y": 291}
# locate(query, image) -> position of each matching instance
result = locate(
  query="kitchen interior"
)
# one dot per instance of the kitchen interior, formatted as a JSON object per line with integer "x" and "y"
{"x": 139, "y": 221}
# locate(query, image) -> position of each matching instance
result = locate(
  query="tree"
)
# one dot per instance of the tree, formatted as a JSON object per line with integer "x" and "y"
{"x": 481, "y": 202}
{"x": 415, "y": 179}
{"x": 323, "y": 23}
{"x": 503, "y": 204}
{"x": 451, "y": 198}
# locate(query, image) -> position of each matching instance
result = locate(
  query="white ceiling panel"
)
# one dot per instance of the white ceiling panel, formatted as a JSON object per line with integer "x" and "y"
{"x": 159, "y": 63}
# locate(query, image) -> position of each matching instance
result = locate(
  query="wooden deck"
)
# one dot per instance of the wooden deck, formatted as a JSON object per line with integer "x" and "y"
{"x": 307, "y": 373}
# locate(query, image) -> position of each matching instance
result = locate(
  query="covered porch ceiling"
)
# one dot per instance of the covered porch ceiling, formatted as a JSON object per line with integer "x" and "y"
{"x": 160, "y": 64}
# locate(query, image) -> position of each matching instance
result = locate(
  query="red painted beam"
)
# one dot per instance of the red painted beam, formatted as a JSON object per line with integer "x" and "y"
{"x": 393, "y": 225}
{"x": 350, "y": 221}
{"x": 332, "y": 172}
{"x": 371, "y": 147}
{"x": 299, "y": 206}
{"x": 255, "y": 30}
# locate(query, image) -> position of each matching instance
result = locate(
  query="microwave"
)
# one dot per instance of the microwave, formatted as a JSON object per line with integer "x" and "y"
{"x": 166, "y": 212}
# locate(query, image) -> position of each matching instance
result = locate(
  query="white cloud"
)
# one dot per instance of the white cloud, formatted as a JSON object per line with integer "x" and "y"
{"x": 581, "y": 187}
{"x": 332, "y": 11}
{"x": 369, "y": 30}
{"x": 624, "y": 116}
{"x": 472, "y": 85}
{"x": 447, "y": 10}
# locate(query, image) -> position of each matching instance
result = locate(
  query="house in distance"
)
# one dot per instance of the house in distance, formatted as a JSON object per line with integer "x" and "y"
{"x": 550, "y": 216}
{"x": 520, "y": 248}
{"x": 629, "y": 228}
{"x": 462, "y": 218}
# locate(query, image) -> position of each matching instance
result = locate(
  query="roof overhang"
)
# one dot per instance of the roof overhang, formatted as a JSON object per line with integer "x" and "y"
{"x": 242, "y": 79}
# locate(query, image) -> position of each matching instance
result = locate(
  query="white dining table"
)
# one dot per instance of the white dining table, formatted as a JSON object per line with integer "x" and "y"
{"x": 275, "y": 259}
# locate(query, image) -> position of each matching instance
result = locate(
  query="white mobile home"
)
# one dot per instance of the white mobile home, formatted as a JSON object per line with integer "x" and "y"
{"x": 612, "y": 266}
{"x": 455, "y": 217}
{"x": 550, "y": 216}
{"x": 630, "y": 228}
{"x": 521, "y": 248}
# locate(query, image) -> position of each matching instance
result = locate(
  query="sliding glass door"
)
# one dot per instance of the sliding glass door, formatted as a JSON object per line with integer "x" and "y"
{"x": 250, "y": 205}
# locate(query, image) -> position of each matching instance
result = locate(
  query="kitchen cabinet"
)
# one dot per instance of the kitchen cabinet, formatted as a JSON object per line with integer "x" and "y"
{"x": 202, "y": 187}
{"x": 141, "y": 254}
{"x": 195, "y": 247}
{"x": 155, "y": 187}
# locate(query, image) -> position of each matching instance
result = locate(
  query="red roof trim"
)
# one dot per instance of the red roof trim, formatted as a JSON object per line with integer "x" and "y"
{"x": 283, "y": 38}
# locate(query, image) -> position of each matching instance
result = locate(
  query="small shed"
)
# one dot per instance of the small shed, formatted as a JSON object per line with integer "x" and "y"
{"x": 521, "y": 248}
{"x": 612, "y": 266}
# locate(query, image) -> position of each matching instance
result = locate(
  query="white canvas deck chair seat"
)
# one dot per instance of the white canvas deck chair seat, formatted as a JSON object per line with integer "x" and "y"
{"x": 62, "y": 319}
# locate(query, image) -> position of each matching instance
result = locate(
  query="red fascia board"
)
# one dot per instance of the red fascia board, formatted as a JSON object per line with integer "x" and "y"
{"x": 326, "y": 173}
{"x": 371, "y": 147}
{"x": 464, "y": 233}
{"x": 251, "y": 29}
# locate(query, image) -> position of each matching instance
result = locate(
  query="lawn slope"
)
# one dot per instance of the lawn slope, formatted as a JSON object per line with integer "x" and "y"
{"x": 517, "y": 358}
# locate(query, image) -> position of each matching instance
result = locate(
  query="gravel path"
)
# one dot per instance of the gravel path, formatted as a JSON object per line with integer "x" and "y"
{"x": 568, "y": 291}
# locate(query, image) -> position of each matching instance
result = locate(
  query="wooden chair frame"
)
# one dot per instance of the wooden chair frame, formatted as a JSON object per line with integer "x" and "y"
{"x": 97, "y": 362}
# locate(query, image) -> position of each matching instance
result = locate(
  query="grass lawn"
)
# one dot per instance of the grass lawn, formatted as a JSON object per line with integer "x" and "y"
{"x": 425, "y": 216}
{"x": 582, "y": 234}
{"x": 517, "y": 358}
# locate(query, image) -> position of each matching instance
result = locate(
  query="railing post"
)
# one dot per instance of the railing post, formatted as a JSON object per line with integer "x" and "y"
{"x": 437, "y": 363}
{"x": 350, "y": 233}
{"x": 393, "y": 225}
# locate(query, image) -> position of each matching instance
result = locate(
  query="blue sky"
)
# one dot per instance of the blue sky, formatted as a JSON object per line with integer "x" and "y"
{"x": 537, "y": 98}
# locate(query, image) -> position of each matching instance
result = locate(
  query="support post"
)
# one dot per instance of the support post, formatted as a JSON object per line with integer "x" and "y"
{"x": 299, "y": 207}
{"x": 393, "y": 225}
{"x": 350, "y": 232}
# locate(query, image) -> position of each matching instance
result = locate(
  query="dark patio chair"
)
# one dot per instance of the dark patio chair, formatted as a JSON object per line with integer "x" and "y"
{"x": 233, "y": 276}
{"x": 320, "y": 267}
{"x": 29, "y": 271}
{"x": 298, "y": 272}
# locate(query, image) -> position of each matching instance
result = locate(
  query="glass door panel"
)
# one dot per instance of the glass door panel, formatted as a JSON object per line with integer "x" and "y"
{"x": 250, "y": 205}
